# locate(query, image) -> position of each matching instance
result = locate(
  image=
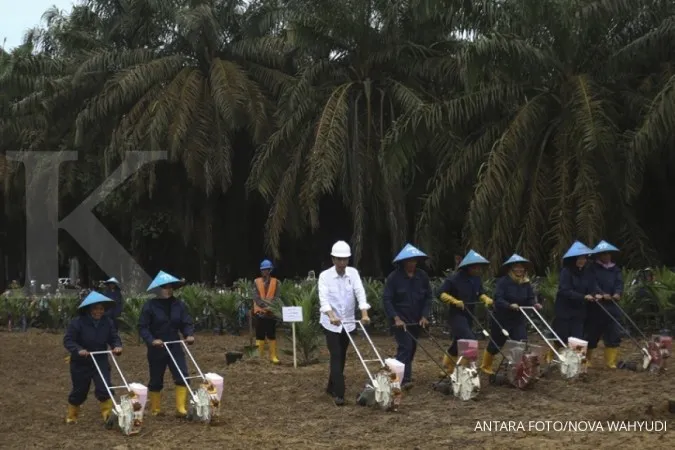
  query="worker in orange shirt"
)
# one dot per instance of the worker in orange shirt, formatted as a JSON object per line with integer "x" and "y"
{"x": 266, "y": 292}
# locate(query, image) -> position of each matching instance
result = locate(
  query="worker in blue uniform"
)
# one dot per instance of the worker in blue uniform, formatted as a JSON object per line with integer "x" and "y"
{"x": 113, "y": 291}
{"x": 164, "y": 318}
{"x": 91, "y": 331}
{"x": 598, "y": 324}
{"x": 407, "y": 303}
{"x": 576, "y": 288}
{"x": 462, "y": 291}
{"x": 512, "y": 291}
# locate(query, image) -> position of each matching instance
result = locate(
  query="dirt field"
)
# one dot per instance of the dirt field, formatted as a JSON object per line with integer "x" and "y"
{"x": 269, "y": 407}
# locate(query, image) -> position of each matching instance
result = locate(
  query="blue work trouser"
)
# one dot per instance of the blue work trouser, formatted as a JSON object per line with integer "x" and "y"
{"x": 407, "y": 346}
{"x": 82, "y": 374}
{"x": 460, "y": 327}
{"x": 159, "y": 359}
{"x": 569, "y": 327}
{"x": 517, "y": 332}
{"x": 601, "y": 325}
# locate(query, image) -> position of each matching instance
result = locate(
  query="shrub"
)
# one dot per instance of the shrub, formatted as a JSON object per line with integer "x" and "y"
{"x": 650, "y": 306}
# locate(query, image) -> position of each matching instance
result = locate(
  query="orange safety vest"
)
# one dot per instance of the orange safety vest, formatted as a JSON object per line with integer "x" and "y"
{"x": 265, "y": 295}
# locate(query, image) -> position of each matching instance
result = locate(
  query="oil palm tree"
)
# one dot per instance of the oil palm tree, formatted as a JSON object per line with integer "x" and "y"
{"x": 361, "y": 65}
{"x": 189, "y": 95}
{"x": 544, "y": 126}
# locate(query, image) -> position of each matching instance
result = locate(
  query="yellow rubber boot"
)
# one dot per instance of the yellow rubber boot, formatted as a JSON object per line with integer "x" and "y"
{"x": 449, "y": 365}
{"x": 181, "y": 401}
{"x": 106, "y": 408}
{"x": 589, "y": 353}
{"x": 273, "y": 351}
{"x": 71, "y": 415}
{"x": 261, "y": 347}
{"x": 155, "y": 403}
{"x": 486, "y": 365}
{"x": 611, "y": 355}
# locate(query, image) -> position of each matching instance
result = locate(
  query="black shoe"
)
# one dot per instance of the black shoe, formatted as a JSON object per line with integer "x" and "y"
{"x": 407, "y": 385}
{"x": 339, "y": 401}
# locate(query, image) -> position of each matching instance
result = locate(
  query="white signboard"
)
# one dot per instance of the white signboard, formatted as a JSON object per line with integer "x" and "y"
{"x": 292, "y": 313}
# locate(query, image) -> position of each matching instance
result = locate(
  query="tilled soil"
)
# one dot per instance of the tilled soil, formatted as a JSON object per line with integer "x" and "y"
{"x": 268, "y": 407}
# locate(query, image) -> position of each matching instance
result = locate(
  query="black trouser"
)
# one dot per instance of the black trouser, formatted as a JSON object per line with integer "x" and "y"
{"x": 337, "y": 343}
{"x": 265, "y": 327}
{"x": 83, "y": 374}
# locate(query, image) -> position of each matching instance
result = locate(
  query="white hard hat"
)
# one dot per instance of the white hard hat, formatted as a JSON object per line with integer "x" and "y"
{"x": 341, "y": 250}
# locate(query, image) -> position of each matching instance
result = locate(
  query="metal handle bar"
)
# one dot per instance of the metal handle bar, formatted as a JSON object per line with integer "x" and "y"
{"x": 630, "y": 320}
{"x": 637, "y": 344}
{"x": 492, "y": 316}
{"x": 523, "y": 310}
{"x": 109, "y": 388}
{"x": 440, "y": 366}
{"x": 363, "y": 361}
{"x": 185, "y": 377}
{"x": 485, "y": 333}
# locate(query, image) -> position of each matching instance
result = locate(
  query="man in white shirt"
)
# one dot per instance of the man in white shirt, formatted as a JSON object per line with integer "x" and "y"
{"x": 340, "y": 287}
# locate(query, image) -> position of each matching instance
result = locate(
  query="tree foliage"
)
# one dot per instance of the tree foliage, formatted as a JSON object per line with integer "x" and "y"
{"x": 501, "y": 126}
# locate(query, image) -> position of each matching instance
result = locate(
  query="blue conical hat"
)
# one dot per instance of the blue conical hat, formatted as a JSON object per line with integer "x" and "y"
{"x": 603, "y": 247}
{"x": 577, "y": 249}
{"x": 93, "y": 298}
{"x": 162, "y": 279}
{"x": 266, "y": 264}
{"x": 471, "y": 258}
{"x": 112, "y": 280}
{"x": 515, "y": 258}
{"x": 408, "y": 252}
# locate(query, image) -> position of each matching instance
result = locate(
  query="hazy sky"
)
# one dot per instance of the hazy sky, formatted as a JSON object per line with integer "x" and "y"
{"x": 18, "y": 16}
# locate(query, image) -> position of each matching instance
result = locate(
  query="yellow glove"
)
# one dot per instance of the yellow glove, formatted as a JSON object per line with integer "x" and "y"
{"x": 447, "y": 298}
{"x": 486, "y": 300}
{"x": 67, "y": 359}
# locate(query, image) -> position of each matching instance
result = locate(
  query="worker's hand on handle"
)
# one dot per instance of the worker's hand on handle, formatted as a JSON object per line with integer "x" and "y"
{"x": 607, "y": 297}
{"x": 450, "y": 300}
{"x": 190, "y": 340}
{"x": 538, "y": 306}
{"x": 333, "y": 318}
{"x": 514, "y": 306}
{"x": 424, "y": 322}
{"x": 83, "y": 353}
{"x": 399, "y": 323}
{"x": 157, "y": 343}
{"x": 589, "y": 298}
{"x": 117, "y": 350}
{"x": 365, "y": 320}
{"x": 487, "y": 301}
{"x": 616, "y": 297}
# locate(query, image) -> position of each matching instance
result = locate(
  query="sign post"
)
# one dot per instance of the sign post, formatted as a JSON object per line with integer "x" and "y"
{"x": 292, "y": 314}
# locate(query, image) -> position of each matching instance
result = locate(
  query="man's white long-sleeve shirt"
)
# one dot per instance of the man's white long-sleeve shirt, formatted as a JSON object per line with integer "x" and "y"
{"x": 339, "y": 294}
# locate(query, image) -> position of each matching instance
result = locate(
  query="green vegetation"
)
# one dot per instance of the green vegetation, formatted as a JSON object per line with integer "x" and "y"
{"x": 219, "y": 310}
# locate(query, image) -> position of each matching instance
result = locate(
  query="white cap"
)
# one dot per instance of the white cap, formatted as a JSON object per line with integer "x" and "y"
{"x": 341, "y": 250}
